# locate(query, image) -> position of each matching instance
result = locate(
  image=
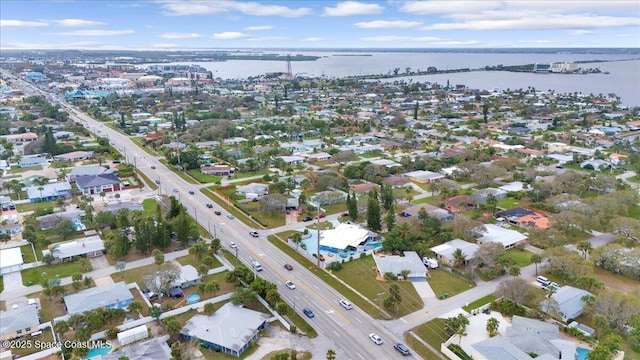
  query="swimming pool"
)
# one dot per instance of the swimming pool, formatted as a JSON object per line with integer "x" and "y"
{"x": 97, "y": 352}
{"x": 582, "y": 353}
{"x": 193, "y": 298}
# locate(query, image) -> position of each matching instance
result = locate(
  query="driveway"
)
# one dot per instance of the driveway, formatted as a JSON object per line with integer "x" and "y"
{"x": 12, "y": 281}
{"x": 423, "y": 288}
{"x": 99, "y": 262}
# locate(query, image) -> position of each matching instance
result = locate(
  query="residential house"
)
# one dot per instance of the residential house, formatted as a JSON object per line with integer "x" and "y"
{"x": 32, "y": 161}
{"x": 538, "y": 337}
{"x": 21, "y": 138}
{"x": 363, "y": 188}
{"x": 48, "y": 192}
{"x": 90, "y": 247}
{"x": 460, "y": 203}
{"x": 17, "y": 322}
{"x": 569, "y": 302}
{"x": 234, "y": 141}
{"x": 156, "y": 349}
{"x": 397, "y": 264}
{"x": 74, "y": 156}
{"x": 525, "y": 217}
{"x": 253, "y": 188}
{"x": 11, "y": 260}
{"x": 114, "y": 296}
{"x": 320, "y": 156}
{"x": 217, "y": 170}
{"x": 496, "y": 234}
{"x": 96, "y": 184}
{"x": 514, "y": 186}
{"x": 433, "y": 211}
{"x": 398, "y": 182}
{"x": 229, "y": 330}
{"x": 498, "y": 347}
{"x": 618, "y": 159}
{"x": 596, "y": 164}
{"x": 86, "y": 170}
{"x": 188, "y": 277}
{"x": 482, "y": 194}
{"x": 291, "y": 160}
{"x": 444, "y": 252}
{"x": 345, "y": 237}
{"x": 423, "y": 176}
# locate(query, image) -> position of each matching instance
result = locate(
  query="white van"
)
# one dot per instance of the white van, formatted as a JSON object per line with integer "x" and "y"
{"x": 430, "y": 263}
{"x": 345, "y": 304}
{"x": 543, "y": 280}
{"x": 256, "y": 265}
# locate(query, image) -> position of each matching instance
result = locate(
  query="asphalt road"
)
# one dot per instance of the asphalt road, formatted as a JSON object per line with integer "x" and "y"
{"x": 346, "y": 331}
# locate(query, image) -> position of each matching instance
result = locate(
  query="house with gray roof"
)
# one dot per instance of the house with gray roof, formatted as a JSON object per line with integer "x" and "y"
{"x": 188, "y": 277}
{"x": 444, "y": 252}
{"x": 482, "y": 194}
{"x": 91, "y": 246}
{"x": 154, "y": 349}
{"x": 497, "y": 347}
{"x": 115, "y": 296}
{"x": 87, "y": 170}
{"x": 569, "y": 302}
{"x": 253, "y": 188}
{"x": 228, "y": 330}
{"x": 32, "y": 161}
{"x": 396, "y": 264}
{"x": 539, "y": 337}
{"x": 18, "y": 322}
{"x": 95, "y": 184}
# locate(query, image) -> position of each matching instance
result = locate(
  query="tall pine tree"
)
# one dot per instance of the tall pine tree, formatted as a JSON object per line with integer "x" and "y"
{"x": 373, "y": 211}
{"x": 352, "y": 206}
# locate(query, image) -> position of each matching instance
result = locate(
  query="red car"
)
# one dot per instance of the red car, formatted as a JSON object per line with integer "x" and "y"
{"x": 323, "y": 215}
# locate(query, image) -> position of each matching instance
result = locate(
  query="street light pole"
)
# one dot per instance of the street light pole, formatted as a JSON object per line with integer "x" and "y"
{"x": 318, "y": 241}
{"x": 379, "y": 296}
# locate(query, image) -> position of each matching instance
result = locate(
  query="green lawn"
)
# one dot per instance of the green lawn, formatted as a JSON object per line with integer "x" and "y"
{"x": 34, "y": 206}
{"x": 182, "y": 174}
{"x": 209, "y": 192}
{"x": 521, "y": 258}
{"x": 335, "y": 208}
{"x": 1, "y": 284}
{"x": 635, "y": 179}
{"x": 16, "y": 170}
{"x": 204, "y": 178}
{"x": 27, "y": 254}
{"x": 480, "y": 302}
{"x": 242, "y": 175}
{"x": 147, "y": 180}
{"x": 634, "y": 212}
{"x": 361, "y": 275}
{"x": 508, "y": 203}
{"x": 432, "y": 332}
{"x": 149, "y": 206}
{"x": 441, "y": 282}
{"x": 270, "y": 220}
{"x": 431, "y": 200}
{"x": 34, "y": 275}
{"x": 134, "y": 275}
{"x": 420, "y": 349}
{"x": 193, "y": 260}
{"x": 324, "y": 225}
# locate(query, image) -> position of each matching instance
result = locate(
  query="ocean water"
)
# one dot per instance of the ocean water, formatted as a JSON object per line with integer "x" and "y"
{"x": 623, "y": 78}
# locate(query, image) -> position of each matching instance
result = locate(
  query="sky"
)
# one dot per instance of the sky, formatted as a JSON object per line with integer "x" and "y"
{"x": 222, "y": 24}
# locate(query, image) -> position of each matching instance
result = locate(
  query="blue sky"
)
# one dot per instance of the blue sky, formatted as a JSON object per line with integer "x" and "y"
{"x": 203, "y": 24}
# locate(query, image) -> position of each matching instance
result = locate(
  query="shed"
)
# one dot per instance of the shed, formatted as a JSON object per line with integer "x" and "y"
{"x": 132, "y": 335}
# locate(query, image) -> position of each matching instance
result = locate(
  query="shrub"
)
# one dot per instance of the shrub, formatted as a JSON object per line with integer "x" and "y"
{"x": 390, "y": 276}
{"x": 335, "y": 266}
{"x": 458, "y": 351}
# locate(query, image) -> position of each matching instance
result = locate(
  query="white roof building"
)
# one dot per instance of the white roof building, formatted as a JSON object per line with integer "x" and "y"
{"x": 91, "y": 246}
{"x": 10, "y": 260}
{"x": 493, "y": 233}
{"x": 396, "y": 264}
{"x": 343, "y": 236}
{"x": 444, "y": 252}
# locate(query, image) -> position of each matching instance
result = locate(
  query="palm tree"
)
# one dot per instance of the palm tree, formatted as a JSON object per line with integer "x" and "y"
{"x": 514, "y": 271}
{"x": 459, "y": 258}
{"x": 536, "y": 259}
{"x": 135, "y": 307}
{"x": 61, "y": 327}
{"x": 331, "y": 354}
{"x": 40, "y": 188}
{"x": 585, "y": 247}
{"x": 102, "y": 195}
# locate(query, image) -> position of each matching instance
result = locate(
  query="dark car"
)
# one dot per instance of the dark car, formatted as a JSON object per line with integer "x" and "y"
{"x": 191, "y": 192}
{"x": 308, "y": 312}
{"x": 153, "y": 167}
{"x": 217, "y": 212}
{"x": 210, "y": 206}
{"x": 402, "y": 349}
{"x": 308, "y": 218}
{"x": 288, "y": 267}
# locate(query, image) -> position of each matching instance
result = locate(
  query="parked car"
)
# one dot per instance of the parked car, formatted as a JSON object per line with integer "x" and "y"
{"x": 344, "y": 214}
{"x": 217, "y": 212}
{"x": 376, "y": 339}
{"x": 254, "y": 233}
{"x": 308, "y": 312}
{"x": 290, "y": 285}
{"x": 210, "y": 206}
{"x": 233, "y": 245}
{"x": 308, "y": 218}
{"x": 322, "y": 215}
{"x": 402, "y": 349}
{"x": 288, "y": 267}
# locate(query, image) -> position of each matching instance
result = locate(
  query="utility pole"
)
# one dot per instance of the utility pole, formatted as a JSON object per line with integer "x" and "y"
{"x": 318, "y": 242}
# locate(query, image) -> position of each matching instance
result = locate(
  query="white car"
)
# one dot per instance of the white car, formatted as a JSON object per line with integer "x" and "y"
{"x": 233, "y": 245}
{"x": 290, "y": 285}
{"x": 376, "y": 339}
{"x": 254, "y": 233}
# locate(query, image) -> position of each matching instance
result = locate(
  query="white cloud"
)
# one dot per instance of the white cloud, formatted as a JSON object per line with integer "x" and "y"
{"x": 266, "y": 38}
{"x": 22, "y": 24}
{"x": 174, "y": 36}
{"x": 581, "y": 32}
{"x": 256, "y": 9}
{"x": 165, "y": 46}
{"x": 313, "y": 39}
{"x": 446, "y": 7}
{"x": 95, "y": 33}
{"x": 539, "y": 22}
{"x": 230, "y": 35}
{"x": 388, "y": 24}
{"x": 77, "y": 23}
{"x": 259, "y": 28}
{"x": 394, "y": 38}
{"x": 348, "y": 8}
{"x": 208, "y": 7}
